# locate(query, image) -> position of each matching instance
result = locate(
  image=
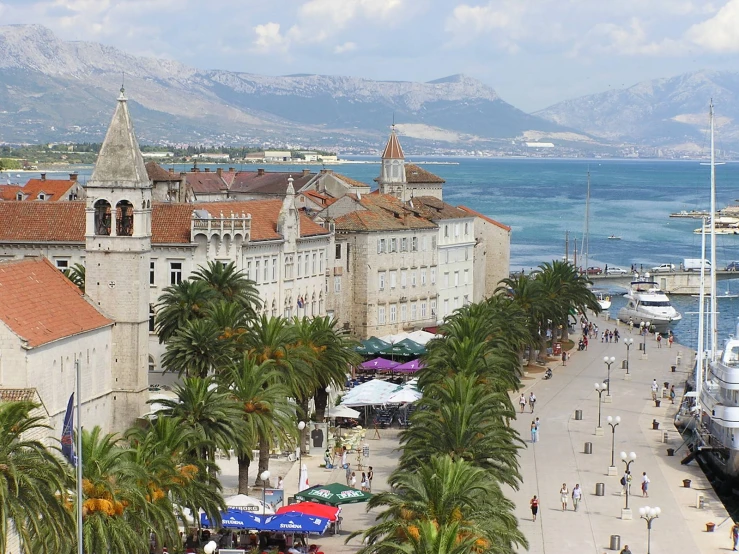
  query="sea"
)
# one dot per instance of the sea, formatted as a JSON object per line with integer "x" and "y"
{"x": 543, "y": 201}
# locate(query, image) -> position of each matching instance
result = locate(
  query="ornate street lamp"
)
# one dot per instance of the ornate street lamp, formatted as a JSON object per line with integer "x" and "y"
{"x": 613, "y": 423}
{"x": 647, "y": 325}
{"x": 627, "y": 460}
{"x": 264, "y": 476}
{"x": 609, "y": 362}
{"x": 600, "y": 388}
{"x": 649, "y": 514}
{"x": 628, "y": 343}
{"x": 301, "y": 426}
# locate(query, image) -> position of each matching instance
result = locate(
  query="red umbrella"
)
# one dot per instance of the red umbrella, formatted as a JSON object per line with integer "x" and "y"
{"x": 312, "y": 509}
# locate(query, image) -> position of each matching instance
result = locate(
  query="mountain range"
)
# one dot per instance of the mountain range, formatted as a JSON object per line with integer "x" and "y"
{"x": 53, "y": 90}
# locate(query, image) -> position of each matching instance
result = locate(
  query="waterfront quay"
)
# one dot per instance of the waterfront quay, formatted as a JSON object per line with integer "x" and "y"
{"x": 559, "y": 456}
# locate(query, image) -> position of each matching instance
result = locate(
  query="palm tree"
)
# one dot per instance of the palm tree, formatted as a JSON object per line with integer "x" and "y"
{"x": 180, "y": 303}
{"x": 266, "y": 410}
{"x": 210, "y": 412}
{"x": 465, "y": 420}
{"x": 76, "y": 274}
{"x": 230, "y": 285}
{"x": 452, "y": 496}
{"x": 197, "y": 349}
{"x": 31, "y": 482}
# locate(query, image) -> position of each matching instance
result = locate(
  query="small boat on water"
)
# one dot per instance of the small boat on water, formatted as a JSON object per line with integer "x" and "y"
{"x": 604, "y": 300}
{"x": 722, "y": 226}
{"x": 646, "y": 302}
{"x": 614, "y": 237}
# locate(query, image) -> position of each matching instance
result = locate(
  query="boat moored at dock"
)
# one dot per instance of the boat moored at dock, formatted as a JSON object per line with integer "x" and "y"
{"x": 647, "y": 303}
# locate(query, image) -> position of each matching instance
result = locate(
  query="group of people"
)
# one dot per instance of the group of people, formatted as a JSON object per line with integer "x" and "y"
{"x": 626, "y": 483}
{"x": 531, "y": 401}
{"x": 365, "y": 484}
{"x": 535, "y": 430}
{"x": 610, "y": 336}
{"x": 564, "y": 496}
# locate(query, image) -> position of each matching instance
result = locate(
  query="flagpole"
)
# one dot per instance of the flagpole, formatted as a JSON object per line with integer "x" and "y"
{"x": 80, "y": 549}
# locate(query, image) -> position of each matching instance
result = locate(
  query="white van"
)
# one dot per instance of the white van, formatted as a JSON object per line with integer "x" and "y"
{"x": 694, "y": 264}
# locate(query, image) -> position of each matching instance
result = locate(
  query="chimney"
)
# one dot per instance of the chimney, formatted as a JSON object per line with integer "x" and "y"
{"x": 260, "y": 171}
{"x": 207, "y": 170}
{"x": 73, "y": 177}
{"x": 306, "y": 172}
{"x": 43, "y": 176}
{"x": 219, "y": 170}
{"x": 171, "y": 170}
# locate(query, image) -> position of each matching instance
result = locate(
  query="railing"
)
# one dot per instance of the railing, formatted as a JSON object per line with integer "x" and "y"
{"x": 234, "y": 223}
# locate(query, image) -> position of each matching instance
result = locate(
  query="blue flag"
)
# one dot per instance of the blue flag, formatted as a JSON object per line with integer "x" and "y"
{"x": 68, "y": 433}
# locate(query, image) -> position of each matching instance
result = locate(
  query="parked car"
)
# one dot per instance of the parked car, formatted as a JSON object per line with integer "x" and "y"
{"x": 663, "y": 267}
{"x": 594, "y": 270}
{"x": 733, "y": 266}
{"x": 615, "y": 270}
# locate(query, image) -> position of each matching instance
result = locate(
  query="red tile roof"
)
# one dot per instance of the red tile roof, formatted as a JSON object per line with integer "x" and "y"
{"x": 203, "y": 182}
{"x": 318, "y": 198}
{"x": 486, "y": 218}
{"x": 157, "y": 173}
{"x": 349, "y": 180}
{"x": 269, "y": 182}
{"x": 53, "y": 189}
{"x": 382, "y": 212}
{"x": 17, "y": 395}
{"x": 10, "y": 192}
{"x": 65, "y": 221}
{"x": 393, "y": 151}
{"x": 40, "y": 305}
{"x": 432, "y": 208}
{"x": 415, "y": 174}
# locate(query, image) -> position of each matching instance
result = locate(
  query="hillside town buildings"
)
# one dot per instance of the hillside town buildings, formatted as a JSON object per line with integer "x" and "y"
{"x": 315, "y": 244}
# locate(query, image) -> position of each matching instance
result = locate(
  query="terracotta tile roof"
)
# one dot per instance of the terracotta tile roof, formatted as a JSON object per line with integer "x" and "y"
{"x": 432, "y": 208}
{"x": 349, "y": 180}
{"x": 65, "y": 221}
{"x": 42, "y": 221}
{"x": 40, "y": 305}
{"x": 17, "y": 395}
{"x": 53, "y": 189}
{"x": 10, "y": 192}
{"x": 393, "y": 151}
{"x": 318, "y": 198}
{"x": 486, "y": 218}
{"x": 268, "y": 182}
{"x": 381, "y": 212}
{"x": 157, "y": 173}
{"x": 203, "y": 182}
{"x": 415, "y": 174}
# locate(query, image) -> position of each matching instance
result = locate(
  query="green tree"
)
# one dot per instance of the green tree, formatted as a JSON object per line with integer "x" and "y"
{"x": 197, "y": 349}
{"x": 181, "y": 303}
{"x": 32, "y": 481}
{"x": 76, "y": 274}
{"x": 231, "y": 285}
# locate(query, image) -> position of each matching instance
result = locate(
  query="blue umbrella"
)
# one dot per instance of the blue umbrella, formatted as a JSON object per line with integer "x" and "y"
{"x": 295, "y": 522}
{"x": 236, "y": 519}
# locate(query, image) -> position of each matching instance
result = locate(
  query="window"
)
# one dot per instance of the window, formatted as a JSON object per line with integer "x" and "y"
{"x": 446, "y": 231}
{"x": 433, "y": 244}
{"x": 466, "y": 299}
{"x": 402, "y": 279}
{"x": 393, "y": 245}
{"x": 175, "y": 273}
{"x": 466, "y": 276}
{"x": 423, "y": 277}
{"x": 306, "y": 273}
{"x": 381, "y": 282}
{"x": 413, "y": 278}
{"x": 274, "y": 269}
{"x": 288, "y": 267}
{"x": 337, "y": 284}
{"x": 414, "y": 244}
{"x": 423, "y": 243}
{"x": 446, "y": 278}
{"x": 313, "y": 264}
{"x": 433, "y": 308}
{"x": 257, "y": 273}
{"x": 446, "y": 256}
{"x": 381, "y": 315}
{"x": 266, "y": 271}
{"x": 423, "y": 310}
{"x": 380, "y": 246}
{"x": 151, "y": 318}
{"x": 152, "y": 365}
{"x": 300, "y": 263}
{"x": 466, "y": 253}
{"x": 403, "y": 312}
{"x": 320, "y": 262}
{"x": 466, "y": 229}
{"x": 338, "y": 251}
{"x": 248, "y": 270}
{"x": 433, "y": 275}
{"x": 456, "y": 278}
{"x": 61, "y": 264}
{"x": 347, "y": 257}
{"x": 456, "y": 302}
{"x": 404, "y": 245}
{"x": 446, "y": 307}
{"x": 393, "y": 313}
{"x": 456, "y": 229}
{"x": 152, "y": 265}
{"x": 392, "y": 279}
{"x": 413, "y": 311}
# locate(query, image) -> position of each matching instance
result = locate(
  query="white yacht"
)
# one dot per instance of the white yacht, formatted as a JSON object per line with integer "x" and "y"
{"x": 646, "y": 302}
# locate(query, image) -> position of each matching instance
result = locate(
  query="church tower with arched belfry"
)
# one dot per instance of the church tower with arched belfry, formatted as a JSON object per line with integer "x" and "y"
{"x": 118, "y": 248}
{"x": 392, "y": 174}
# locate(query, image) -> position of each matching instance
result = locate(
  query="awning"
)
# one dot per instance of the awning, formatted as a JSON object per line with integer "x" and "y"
{"x": 296, "y": 522}
{"x": 333, "y": 494}
{"x": 236, "y": 519}
{"x": 409, "y": 367}
{"x": 312, "y": 509}
{"x": 378, "y": 363}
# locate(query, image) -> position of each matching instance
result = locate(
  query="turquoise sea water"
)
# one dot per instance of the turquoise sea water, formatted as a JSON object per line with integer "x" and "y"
{"x": 541, "y": 199}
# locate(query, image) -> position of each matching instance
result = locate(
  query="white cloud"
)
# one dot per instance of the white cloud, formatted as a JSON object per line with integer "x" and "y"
{"x": 269, "y": 38}
{"x": 505, "y": 20}
{"x": 346, "y": 47}
{"x": 630, "y": 39}
{"x": 719, "y": 33}
{"x": 340, "y": 12}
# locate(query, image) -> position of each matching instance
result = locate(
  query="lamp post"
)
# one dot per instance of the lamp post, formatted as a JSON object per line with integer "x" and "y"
{"x": 609, "y": 362}
{"x": 600, "y": 388}
{"x": 328, "y": 406}
{"x": 647, "y": 325}
{"x": 264, "y": 476}
{"x": 628, "y": 343}
{"x": 301, "y": 426}
{"x": 649, "y": 514}
{"x": 613, "y": 423}
{"x": 627, "y": 460}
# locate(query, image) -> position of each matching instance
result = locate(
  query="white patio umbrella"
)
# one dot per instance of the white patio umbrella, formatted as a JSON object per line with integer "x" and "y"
{"x": 421, "y": 337}
{"x": 405, "y": 395}
{"x": 248, "y": 504}
{"x": 343, "y": 411}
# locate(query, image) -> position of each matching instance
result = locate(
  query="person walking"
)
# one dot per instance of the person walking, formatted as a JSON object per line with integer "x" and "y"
{"x": 536, "y": 423}
{"x": 370, "y": 476}
{"x": 534, "y": 503}
{"x": 672, "y": 394}
{"x": 564, "y": 495}
{"x": 576, "y": 496}
{"x": 532, "y": 401}
{"x": 670, "y": 339}
{"x": 644, "y": 485}
{"x": 625, "y": 550}
{"x": 348, "y": 474}
{"x": 533, "y": 431}
{"x": 363, "y": 483}
{"x": 353, "y": 480}
{"x": 659, "y": 340}
{"x": 655, "y": 388}
{"x": 564, "y": 357}
{"x": 734, "y": 534}
{"x": 522, "y": 402}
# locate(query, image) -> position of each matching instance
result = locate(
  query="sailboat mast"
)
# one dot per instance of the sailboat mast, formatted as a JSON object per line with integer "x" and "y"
{"x": 714, "y": 307}
{"x": 567, "y": 246}
{"x": 699, "y": 362}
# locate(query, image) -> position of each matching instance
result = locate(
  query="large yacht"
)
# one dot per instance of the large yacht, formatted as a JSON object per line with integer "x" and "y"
{"x": 647, "y": 303}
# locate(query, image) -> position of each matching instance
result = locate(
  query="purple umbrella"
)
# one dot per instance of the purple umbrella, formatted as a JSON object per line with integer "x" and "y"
{"x": 409, "y": 367}
{"x": 378, "y": 363}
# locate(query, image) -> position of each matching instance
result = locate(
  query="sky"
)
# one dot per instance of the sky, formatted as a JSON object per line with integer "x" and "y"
{"x": 534, "y": 53}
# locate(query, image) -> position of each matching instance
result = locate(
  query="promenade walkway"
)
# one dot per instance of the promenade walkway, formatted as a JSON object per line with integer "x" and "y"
{"x": 559, "y": 457}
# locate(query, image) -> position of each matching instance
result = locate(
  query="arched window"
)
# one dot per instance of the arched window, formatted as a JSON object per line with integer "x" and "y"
{"x": 124, "y": 218}
{"x": 313, "y": 305}
{"x": 152, "y": 364}
{"x": 274, "y": 308}
{"x": 102, "y": 217}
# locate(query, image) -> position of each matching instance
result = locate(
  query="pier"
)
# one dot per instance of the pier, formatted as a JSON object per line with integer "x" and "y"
{"x": 571, "y": 449}
{"x": 673, "y": 282}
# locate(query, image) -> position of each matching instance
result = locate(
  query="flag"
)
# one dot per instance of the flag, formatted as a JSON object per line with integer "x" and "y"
{"x": 68, "y": 433}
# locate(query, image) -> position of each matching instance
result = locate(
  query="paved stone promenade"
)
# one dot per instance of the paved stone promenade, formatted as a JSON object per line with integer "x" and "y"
{"x": 559, "y": 457}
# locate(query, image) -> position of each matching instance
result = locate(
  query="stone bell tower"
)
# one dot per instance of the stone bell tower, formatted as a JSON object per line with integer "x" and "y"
{"x": 118, "y": 248}
{"x": 392, "y": 175}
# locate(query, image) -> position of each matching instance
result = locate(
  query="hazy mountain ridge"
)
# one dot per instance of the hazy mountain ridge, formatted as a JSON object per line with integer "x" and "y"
{"x": 56, "y": 90}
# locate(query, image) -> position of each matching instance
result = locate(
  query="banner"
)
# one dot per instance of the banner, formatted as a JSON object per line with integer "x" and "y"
{"x": 68, "y": 433}
{"x": 274, "y": 498}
